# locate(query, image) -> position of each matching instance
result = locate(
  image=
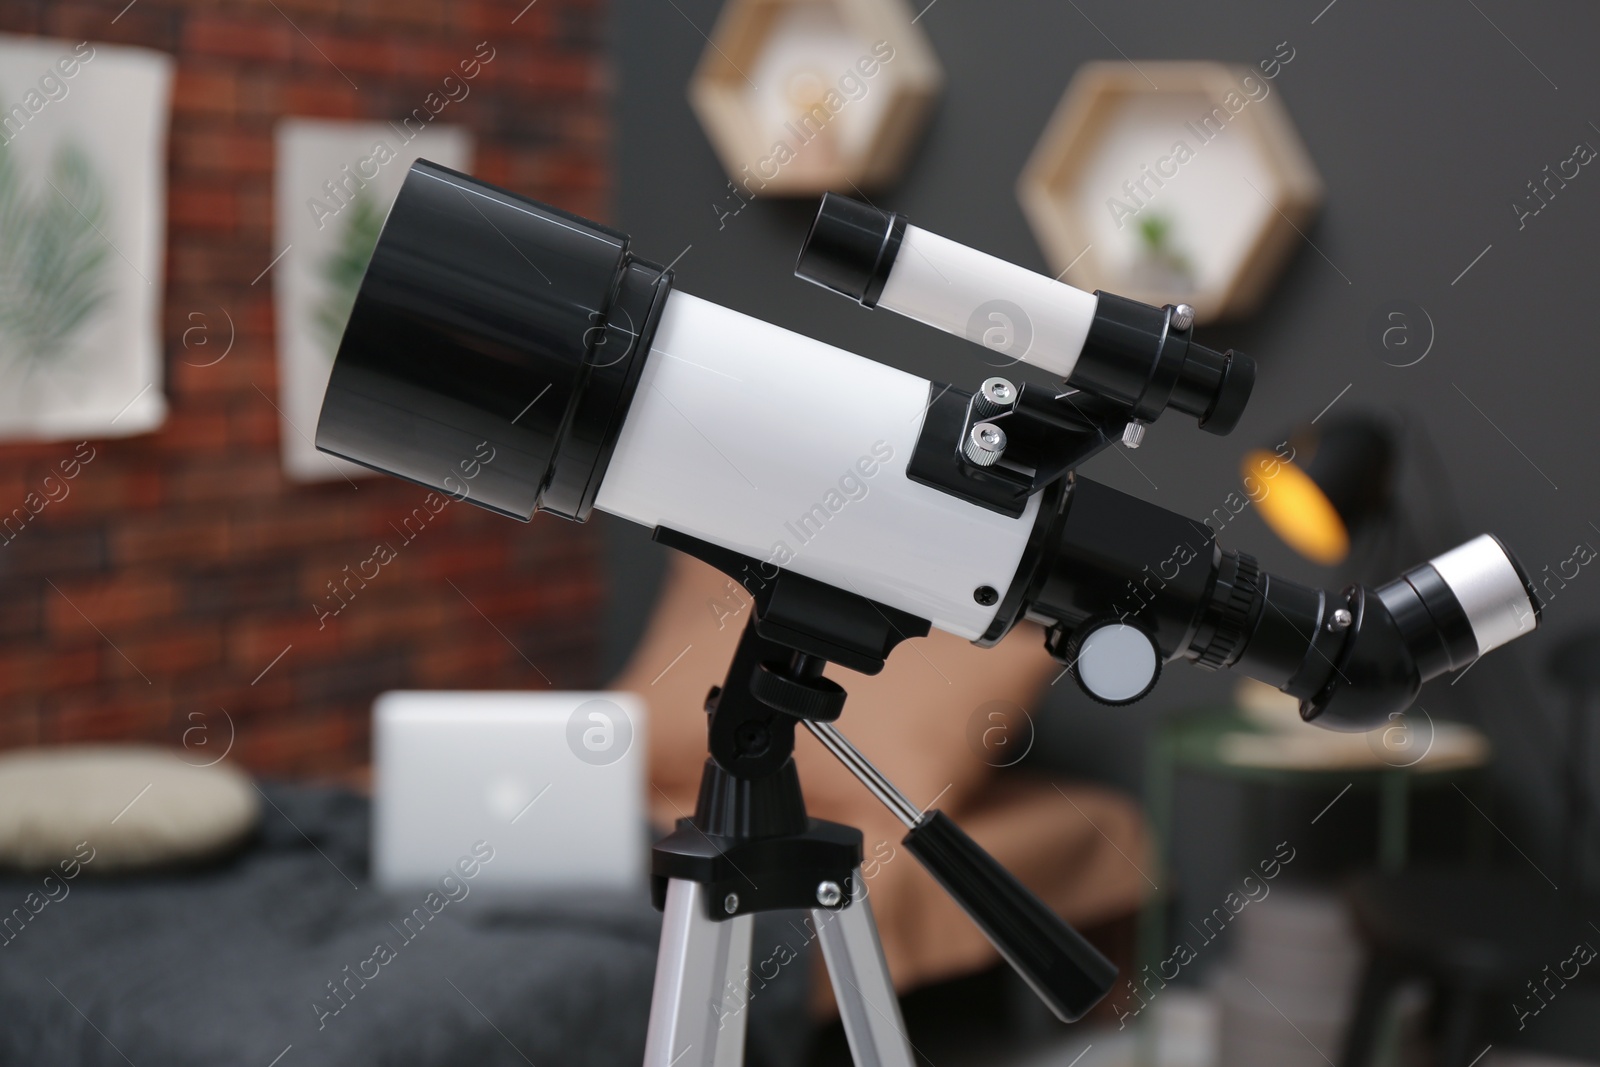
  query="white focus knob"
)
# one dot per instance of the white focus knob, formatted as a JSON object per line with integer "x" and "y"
{"x": 1116, "y": 663}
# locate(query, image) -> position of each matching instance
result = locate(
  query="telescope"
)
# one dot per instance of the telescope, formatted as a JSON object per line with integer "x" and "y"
{"x": 860, "y": 506}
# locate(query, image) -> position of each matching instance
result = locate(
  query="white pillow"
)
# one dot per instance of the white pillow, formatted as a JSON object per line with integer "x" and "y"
{"x": 128, "y": 806}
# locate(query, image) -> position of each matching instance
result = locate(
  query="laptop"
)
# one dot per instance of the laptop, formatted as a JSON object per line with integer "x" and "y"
{"x": 527, "y": 791}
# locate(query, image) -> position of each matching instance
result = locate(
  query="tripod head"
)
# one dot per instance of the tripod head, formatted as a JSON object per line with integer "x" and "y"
{"x": 750, "y": 842}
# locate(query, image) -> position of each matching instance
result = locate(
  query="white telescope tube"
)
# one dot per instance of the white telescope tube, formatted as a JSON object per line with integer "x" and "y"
{"x": 1006, "y": 308}
{"x": 791, "y": 451}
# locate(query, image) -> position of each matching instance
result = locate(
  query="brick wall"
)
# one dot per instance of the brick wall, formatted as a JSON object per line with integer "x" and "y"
{"x": 166, "y": 589}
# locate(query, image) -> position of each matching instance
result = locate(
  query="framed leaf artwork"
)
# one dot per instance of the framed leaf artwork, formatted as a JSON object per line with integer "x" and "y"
{"x": 83, "y": 149}
{"x": 335, "y": 182}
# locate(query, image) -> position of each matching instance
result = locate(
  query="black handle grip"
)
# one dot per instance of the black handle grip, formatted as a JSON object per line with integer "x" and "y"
{"x": 1069, "y": 974}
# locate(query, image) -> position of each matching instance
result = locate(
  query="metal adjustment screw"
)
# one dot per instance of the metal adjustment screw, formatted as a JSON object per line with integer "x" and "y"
{"x": 986, "y": 595}
{"x": 985, "y": 444}
{"x": 994, "y": 396}
{"x": 829, "y": 894}
{"x": 730, "y": 903}
{"x": 1133, "y": 433}
{"x": 1340, "y": 619}
{"x": 1182, "y": 317}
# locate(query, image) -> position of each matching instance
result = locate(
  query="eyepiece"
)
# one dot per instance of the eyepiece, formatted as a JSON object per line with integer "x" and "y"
{"x": 1459, "y": 605}
{"x": 1137, "y": 356}
{"x": 1214, "y": 387}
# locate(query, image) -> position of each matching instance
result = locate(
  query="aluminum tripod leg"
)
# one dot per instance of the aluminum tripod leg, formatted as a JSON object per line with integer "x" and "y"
{"x": 694, "y": 1021}
{"x": 868, "y": 1007}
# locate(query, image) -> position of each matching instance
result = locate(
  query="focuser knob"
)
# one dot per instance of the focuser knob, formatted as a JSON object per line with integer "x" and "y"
{"x": 1113, "y": 660}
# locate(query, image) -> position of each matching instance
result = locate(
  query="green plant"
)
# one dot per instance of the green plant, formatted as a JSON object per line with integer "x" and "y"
{"x": 344, "y": 268}
{"x": 1156, "y": 233}
{"x": 53, "y": 258}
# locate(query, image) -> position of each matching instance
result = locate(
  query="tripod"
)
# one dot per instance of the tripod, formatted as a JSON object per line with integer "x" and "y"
{"x": 751, "y": 847}
{"x": 696, "y": 1015}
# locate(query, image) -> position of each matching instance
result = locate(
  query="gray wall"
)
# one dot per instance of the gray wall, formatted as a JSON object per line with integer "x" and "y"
{"x": 1425, "y": 122}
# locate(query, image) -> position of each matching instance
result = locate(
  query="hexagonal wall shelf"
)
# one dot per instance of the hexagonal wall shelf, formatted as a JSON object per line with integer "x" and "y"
{"x": 802, "y": 96}
{"x": 1191, "y": 193}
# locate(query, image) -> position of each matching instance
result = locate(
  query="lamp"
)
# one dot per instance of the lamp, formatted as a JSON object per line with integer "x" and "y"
{"x": 1336, "y": 483}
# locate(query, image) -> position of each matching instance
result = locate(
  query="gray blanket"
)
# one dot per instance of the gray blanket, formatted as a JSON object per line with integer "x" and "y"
{"x": 271, "y": 959}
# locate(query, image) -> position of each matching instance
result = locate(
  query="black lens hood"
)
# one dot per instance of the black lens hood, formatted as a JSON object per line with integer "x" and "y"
{"x": 493, "y": 349}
